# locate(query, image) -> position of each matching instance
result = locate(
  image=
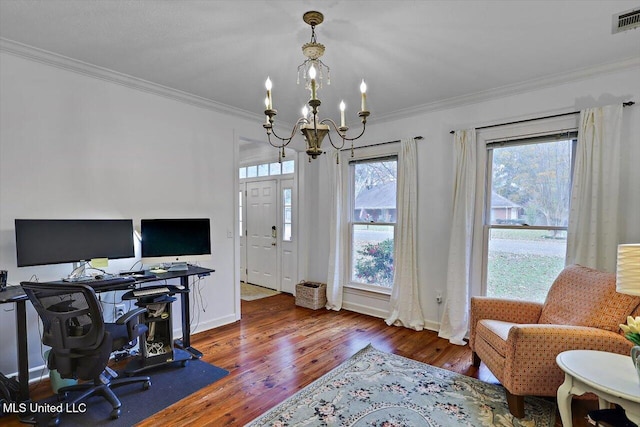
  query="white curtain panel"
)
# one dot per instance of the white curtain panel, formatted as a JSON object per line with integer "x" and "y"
{"x": 405, "y": 307}
{"x": 592, "y": 237}
{"x": 455, "y": 318}
{"x": 337, "y": 241}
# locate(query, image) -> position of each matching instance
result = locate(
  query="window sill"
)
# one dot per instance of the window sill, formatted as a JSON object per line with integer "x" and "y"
{"x": 379, "y": 292}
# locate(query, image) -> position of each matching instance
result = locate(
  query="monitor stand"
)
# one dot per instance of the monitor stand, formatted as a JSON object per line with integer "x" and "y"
{"x": 178, "y": 266}
{"x": 78, "y": 273}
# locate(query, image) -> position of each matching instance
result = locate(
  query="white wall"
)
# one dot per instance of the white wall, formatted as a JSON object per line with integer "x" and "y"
{"x": 75, "y": 146}
{"x": 435, "y": 170}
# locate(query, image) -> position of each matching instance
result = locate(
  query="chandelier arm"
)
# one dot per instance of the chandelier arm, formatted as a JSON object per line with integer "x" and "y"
{"x": 364, "y": 125}
{"x": 293, "y": 133}
{"x": 337, "y": 129}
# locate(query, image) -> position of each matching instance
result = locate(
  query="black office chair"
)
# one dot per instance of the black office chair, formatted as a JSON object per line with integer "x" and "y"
{"x": 81, "y": 342}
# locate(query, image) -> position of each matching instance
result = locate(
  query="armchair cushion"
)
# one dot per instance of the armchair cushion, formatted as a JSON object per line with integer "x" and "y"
{"x": 495, "y": 333}
{"x": 581, "y": 296}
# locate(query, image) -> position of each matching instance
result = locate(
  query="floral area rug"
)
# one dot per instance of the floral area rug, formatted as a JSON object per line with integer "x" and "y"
{"x": 374, "y": 388}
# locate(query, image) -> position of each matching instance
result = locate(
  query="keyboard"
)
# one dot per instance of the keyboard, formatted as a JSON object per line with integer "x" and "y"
{"x": 113, "y": 282}
{"x": 147, "y": 292}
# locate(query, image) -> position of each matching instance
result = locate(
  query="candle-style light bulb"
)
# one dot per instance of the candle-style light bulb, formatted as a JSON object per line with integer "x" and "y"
{"x": 268, "y": 85}
{"x": 363, "y": 90}
{"x": 266, "y": 103}
{"x": 312, "y": 76}
{"x": 342, "y": 108}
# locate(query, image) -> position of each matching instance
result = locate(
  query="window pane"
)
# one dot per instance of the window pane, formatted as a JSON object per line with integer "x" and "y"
{"x": 252, "y": 171}
{"x": 274, "y": 168}
{"x": 522, "y": 264}
{"x": 288, "y": 166}
{"x": 531, "y": 184}
{"x": 286, "y": 214}
{"x": 243, "y": 173}
{"x": 263, "y": 170}
{"x": 375, "y": 188}
{"x": 372, "y": 254}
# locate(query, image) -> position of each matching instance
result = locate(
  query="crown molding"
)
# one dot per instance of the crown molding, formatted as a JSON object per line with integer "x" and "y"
{"x": 514, "y": 89}
{"x": 90, "y": 70}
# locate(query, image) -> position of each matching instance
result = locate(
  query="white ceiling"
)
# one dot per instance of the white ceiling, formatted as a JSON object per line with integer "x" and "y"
{"x": 411, "y": 53}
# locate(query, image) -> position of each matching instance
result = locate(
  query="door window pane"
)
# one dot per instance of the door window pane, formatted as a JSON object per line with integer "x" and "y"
{"x": 286, "y": 215}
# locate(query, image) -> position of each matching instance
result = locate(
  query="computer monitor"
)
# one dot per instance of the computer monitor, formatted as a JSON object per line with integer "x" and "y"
{"x": 175, "y": 241}
{"x": 58, "y": 241}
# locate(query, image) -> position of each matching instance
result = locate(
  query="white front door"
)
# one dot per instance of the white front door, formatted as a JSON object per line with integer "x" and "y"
{"x": 262, "y": 234}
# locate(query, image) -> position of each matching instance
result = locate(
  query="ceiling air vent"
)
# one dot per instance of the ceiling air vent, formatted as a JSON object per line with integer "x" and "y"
{"x": 626, "y": 20}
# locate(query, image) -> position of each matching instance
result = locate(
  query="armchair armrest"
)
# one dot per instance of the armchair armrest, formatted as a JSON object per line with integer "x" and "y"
{"x": 506, "y": 310}
{"x": 532, "y": 350}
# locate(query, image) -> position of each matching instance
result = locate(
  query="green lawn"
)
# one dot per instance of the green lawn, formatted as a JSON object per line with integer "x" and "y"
{"x": 521, "y": 276}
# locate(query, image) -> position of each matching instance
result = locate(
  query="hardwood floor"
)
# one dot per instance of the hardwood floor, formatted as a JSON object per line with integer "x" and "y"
{"x": 278, "y": 348}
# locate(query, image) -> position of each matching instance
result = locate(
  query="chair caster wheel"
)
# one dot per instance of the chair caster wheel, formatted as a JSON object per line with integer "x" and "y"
{"x": 146, "y": 385}
{"x": 63, "y": 396}
{"x": 184, "y": 363}
{"x": 115, "y": 414}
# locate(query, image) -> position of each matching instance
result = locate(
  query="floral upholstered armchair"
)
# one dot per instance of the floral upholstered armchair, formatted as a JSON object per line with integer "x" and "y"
{"x": 519, "y": 340}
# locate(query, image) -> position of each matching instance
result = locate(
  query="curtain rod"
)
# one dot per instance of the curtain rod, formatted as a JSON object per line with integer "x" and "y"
{"x": 624, "y": 104}
{"x": 379, "y": 143}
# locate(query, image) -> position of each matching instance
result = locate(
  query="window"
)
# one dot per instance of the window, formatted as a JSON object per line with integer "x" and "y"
{"x": 267, "y": 169}
{"x": 288, "y": 166}
{"x": 373, "y": 221}
{"x": 274, "y": 168}
{"x": 263, "y": 169}
{"x": 526, "y": 214}
{"x": 286, "y": 214}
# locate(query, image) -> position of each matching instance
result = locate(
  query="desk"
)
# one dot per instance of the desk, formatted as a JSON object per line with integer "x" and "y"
{"x": 612, "y": 377}
{"x": 15, "y": 294}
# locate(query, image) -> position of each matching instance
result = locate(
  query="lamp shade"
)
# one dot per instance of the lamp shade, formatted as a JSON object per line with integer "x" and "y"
{"x": 628, "y": 269}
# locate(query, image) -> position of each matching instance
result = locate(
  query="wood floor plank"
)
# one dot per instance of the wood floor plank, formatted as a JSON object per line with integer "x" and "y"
{"x": 278, "y": 348}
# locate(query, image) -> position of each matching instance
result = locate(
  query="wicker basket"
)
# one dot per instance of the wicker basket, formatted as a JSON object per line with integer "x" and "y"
{"x": 311, "y": 295}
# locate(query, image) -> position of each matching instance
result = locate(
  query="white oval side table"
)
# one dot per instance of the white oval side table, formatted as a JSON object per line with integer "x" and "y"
{"x": 610, "y": 376}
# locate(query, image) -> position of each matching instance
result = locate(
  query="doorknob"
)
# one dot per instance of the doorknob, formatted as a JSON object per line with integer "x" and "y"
{"x": 274, "y": 232}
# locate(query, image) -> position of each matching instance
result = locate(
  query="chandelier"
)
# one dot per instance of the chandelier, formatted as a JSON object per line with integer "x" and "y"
{"x": 312, "y": 128}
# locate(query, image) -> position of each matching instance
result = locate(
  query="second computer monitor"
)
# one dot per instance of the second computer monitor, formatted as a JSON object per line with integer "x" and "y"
{"x": 176, "y": 240}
